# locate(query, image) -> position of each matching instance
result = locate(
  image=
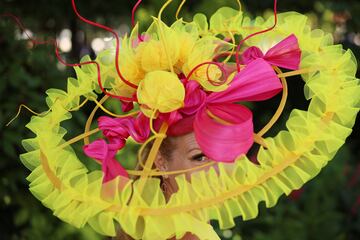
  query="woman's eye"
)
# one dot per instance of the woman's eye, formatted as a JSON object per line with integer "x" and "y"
{"x": 199, "y": 157}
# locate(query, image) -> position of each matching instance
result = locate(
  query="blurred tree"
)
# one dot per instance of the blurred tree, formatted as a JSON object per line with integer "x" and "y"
{"x": 26, "y": 74}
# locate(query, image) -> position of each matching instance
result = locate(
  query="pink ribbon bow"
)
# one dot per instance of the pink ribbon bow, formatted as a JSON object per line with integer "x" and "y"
{"x": 116, "y": 130}
{"x": 285, "y": 54}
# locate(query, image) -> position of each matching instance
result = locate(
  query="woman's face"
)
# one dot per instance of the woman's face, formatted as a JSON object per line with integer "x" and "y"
{"x": 185, "y": 154}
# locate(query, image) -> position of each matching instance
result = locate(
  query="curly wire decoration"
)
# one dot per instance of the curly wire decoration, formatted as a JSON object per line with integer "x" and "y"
{"x": 54, "y": 43}
{"x": 214, "y": 82}
{"x": 133, "y": 19}
{"x": 116, "y": 38}
{"x": 219, "y": 65}
{"x": 254, "y": 34}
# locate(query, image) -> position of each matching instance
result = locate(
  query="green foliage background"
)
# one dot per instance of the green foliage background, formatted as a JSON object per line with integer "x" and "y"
{"x": 328, "y": 207}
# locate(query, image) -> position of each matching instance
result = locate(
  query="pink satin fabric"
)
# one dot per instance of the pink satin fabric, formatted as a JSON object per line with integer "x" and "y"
{"x": 116, "y": 131}
{"x": 224, "y": 142}
{"x": 285, "y": 54}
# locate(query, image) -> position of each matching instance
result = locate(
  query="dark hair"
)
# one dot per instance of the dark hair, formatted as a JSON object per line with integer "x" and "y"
{"x": 166, "y": 150}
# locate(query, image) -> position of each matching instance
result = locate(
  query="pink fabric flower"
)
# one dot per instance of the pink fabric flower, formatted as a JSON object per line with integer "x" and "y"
{"x": 105, "y": 153}
{"x": 116, "y": 131}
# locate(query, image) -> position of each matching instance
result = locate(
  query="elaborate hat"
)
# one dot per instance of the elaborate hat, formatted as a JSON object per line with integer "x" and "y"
{"x": 193, "y": 77}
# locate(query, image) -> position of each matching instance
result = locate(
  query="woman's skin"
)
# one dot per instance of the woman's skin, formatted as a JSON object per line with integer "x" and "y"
{"x": 185, "y": 154}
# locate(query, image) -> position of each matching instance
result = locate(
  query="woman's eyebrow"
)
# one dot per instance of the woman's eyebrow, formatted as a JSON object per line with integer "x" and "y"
{"x": 192, "y": 149}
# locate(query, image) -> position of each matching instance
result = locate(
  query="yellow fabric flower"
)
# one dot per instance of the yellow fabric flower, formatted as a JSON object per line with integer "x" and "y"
{"x": 128, "y": 60}
{"x": 162, "y": 91}
{"x": 187, "y": 35}
{"x": 128, "y": 65}
{"x": 157, "y": 54}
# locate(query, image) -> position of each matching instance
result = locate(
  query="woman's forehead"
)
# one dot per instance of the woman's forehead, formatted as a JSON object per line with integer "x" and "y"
{"x": 187, "y": 142}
